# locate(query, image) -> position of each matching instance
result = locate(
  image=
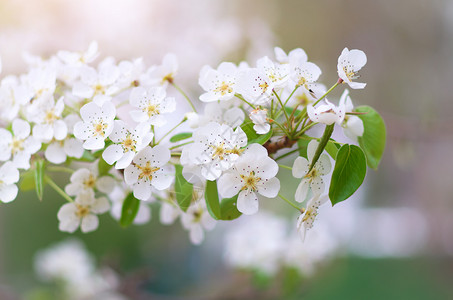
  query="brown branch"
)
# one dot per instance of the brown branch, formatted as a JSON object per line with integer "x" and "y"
{"x": 283, "y": 142}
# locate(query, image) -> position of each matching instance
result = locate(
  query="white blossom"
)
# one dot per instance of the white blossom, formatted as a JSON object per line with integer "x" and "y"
{"x": 312, "y": 179}
{"x": 260, "y": 120}
{"x": 277, "y": 73}
{"x": 349, "y": 64}
{"x": 166, "y": 72}
{"x": 152, "y": 103}
{"x": 96, "y": 124}
{"x": 127, "y": 143}
{"x": 47, "y": 114}
{"x": 352, "y": 125}
{"x": 306, "y": 220}
{"x": 84, "y": 180}
{"x": 327, "y": 113}
{"x": 196, "y": 219}
{"x": 149, "y": 170}
{"x": 9, "y": 176}
{"x": 214, "y": 150}
{"x": 255, "y": 86}
{"x": 254, "y": 172}
{"x": 218, "y": 84}
{"x": 82, "y": 212}
{"x": 19, "y": 146}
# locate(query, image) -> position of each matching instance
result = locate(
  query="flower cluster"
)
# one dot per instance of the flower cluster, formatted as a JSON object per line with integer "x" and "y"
{"x": 116, "y": 129}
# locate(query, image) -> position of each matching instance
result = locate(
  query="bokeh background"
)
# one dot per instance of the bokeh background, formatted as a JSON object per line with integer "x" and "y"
{"x": 395, "y": 239}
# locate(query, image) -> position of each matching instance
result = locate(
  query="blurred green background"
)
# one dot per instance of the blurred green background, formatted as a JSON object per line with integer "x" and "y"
{"x": 409, "y": 44}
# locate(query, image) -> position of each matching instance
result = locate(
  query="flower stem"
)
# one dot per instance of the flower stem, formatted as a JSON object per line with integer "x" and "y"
{"x": 60, "y": 169}
{"x": 289, "y": 202}
{"x": 324, "y": 96}
{"x": 283, "y": 106}
{"x": 177, "y": 146}
{"x": 160, "y": 140}
{"x": 184, "y": 95}
{"x": 57, "y": 188}
{"x": 242, "y": 98}
{"x": 285, "y": 167}
{"x": 286, "y": 154}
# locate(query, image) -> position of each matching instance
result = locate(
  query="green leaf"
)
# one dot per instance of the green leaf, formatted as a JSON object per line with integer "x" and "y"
{"x": 38, "y": 175}
{"x": 87, "y": 156}
{"x": 129, "y": 210}
{"x": 373, "y": 139}
{"x": 228, "y": 209}
{"x": 332, "y": 149}
{"x": 103, "y": 167}
{"x": 289, "y": 111}
{"x": 27, "y": 181}
{"x": 183, "y": 189}
{"x": 180, "y": 136}
{"x": 211, "y": 196}
{"x": 348, "y": 174}
{"x": 322, "y": 144}
{"x": 302, "y": 144}
{"x": 252, "y": 136}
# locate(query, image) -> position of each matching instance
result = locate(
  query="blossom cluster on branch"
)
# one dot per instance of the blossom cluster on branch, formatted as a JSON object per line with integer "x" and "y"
{"x": 107, "y": 126}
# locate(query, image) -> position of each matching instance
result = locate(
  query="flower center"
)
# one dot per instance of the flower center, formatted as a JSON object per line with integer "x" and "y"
{"x": 82, "y": 211}
{"x": 219, "y": 151}
{"x": 129, "y": 144}
{"x": 147, "y": 171}
{"x": 264, "y": 86}
{"x": 99, "y": 89}
{"x": 50, "y": 117}
{"x": 16, "y": 145}
{"x": 90, "y": 182}
{"x": 152, "y": 110}
{"x": 250, "y": 181}
{"x": 169, "y": 77}
{"x": 99, "y": 128}
{"x": 349, "y": 71}
{"x": 224, "y": 88}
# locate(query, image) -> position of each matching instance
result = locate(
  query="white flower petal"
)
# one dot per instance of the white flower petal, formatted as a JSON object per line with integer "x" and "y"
{"x": 89, "y": 223}
{"x": 247, "y": 203}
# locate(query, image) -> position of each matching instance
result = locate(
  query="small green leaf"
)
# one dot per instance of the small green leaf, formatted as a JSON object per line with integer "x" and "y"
{"x": 348, "y": 174}
{"x": 180, "y": 136}
{"x": 87, "y": 156}
{"x": 372, "y": 141}
{"x": 129, "y": 210}
{"x": 103, "y": 167}
{"x": 211, "y": 196}
{"x": 302, "y": 144}
{"x": 38, "y": 175}
{"x": 27, "y": 181}
{"x": 228, "y": 209}
{"x": 252, "y": 136}
{"x": 332, "y": 149}
{"x": 183, "y": 189}
{"x": 322, "y": 144}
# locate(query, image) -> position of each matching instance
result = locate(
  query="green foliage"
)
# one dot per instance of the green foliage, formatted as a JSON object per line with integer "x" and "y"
{"x": 302, "y": 144}
{"x": 129, "y": 210}
{"x": 224, "y": 209}
{"x": 252, "y": 136}
{"x": 332, "y": 148}
{"x": 103, "y": 167}
{"x": 27, "y": 181}
{"x": 348, "y": 174}
{"x": 180, "y": 136}
{"x": 322, "y": 144}
{"x": 183, "y": 189}
{"x": 228, "y": 209}
{"x": 38, "y": 176}
{"x": 211, "y": 196}
{"x": 373, "y": 140}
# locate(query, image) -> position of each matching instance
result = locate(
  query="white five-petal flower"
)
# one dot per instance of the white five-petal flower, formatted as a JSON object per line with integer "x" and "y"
{"x": 352, "y": 125}
{"x": 254, "y": 172}
{"x": 259, "y": 118}
{"x": 83, "y": 211}
{"x": 219, "y": 84}
{"x": 306, "y": 220}
{"x": 152, "y": 103}
{"x": 327, "y": 113}
{"x": 46, "y": 113}
{"x": 149, "y": 170}
{"x": 9, "y": 175}
{"x": 197, "y": 218}
{"x": 96, "y": 124}
{"x": 312, "y": 179}
{"x": 19, "y": 145}
{"x": 84, "y": 180}
{"x": 214, "y": 150}
{"x": 349, "y": 64}
{"x": 127, "y": 143}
